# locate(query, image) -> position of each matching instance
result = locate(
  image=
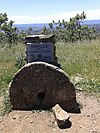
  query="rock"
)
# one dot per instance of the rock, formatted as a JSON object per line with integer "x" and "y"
{"x": 88, "y": 115}
{"x": 61, "y": 116}
{"x": 42, "y": 85}
{"x": 14, "y": 117}
{"x": 26, "y": 116}
{"x": 0, "y": 120}
{"x": 80, "y": 126}
{"x": 94, "y": 122}
{"x": 31, "y": 121}
{"x": 93, "y": 131}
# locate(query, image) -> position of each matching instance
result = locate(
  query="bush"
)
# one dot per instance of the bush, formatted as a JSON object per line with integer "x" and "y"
{"x": 20, "y": 61}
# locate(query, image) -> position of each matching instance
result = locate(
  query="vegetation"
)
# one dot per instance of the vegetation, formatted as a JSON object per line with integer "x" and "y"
{"x": 9, "y": 34}
{"x": 9, "y": 58}
{"x": 73, "y": 30}
{"x": 78, "y": 52}
{"x": 81, "y": 62}
{"x": 7, "y": 31}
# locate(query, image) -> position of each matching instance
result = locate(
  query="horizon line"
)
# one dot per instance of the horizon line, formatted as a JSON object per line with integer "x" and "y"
{"x": 50, "y": 22}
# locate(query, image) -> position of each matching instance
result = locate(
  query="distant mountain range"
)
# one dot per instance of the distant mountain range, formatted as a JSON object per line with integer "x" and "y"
{"x": 39, "y": 26}
{"x": 92, "y": 22}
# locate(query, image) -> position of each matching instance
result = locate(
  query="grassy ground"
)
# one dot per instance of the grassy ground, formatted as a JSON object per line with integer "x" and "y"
{"x": 80, "y": 60}
{"x": 10, "y": 61}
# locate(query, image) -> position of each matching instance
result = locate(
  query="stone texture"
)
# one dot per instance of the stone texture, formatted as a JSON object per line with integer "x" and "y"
{"x": 40, "y": 40}
{"x": 61, "y": 116}
{"x": 42, "y": 85}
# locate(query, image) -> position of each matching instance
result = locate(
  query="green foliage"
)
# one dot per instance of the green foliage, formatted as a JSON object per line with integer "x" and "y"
{"x": 7, "y": 30}
{"x": 3, "y": 18}
{"x": 6, "y": 108}
{"x": 45, "y": 31}
{"x": 20, "y": 61}
{"x": 21, "y": 36}
{"x": 81, "y": 61}
{"x": 29, "y": 31}
{"x": 89, "y": 85}
{"x": 8, "y": 57}
{"x": 73, "y": 30}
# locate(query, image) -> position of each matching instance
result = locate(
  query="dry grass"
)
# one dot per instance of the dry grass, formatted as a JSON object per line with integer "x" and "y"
{"x": 82, "y": 60}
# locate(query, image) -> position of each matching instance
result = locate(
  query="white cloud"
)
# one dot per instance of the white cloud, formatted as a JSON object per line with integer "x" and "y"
{"x": 91, "y": 14}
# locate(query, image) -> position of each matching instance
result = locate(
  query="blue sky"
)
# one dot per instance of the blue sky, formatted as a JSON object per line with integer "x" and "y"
{"x": 41, "y": 11}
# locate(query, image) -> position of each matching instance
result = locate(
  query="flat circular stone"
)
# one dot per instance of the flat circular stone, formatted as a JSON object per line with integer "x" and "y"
{"x": 41, "y": 85}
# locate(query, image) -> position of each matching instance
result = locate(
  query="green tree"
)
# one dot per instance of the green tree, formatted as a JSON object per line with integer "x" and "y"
{"x": 3, "y": 18}
{"x": 45, "y": 31}
{"x": 21, "y": 36}
{"x": 29, "y": 31}
{"x": 73, "y": 30}
{"x": 7, "y": 29}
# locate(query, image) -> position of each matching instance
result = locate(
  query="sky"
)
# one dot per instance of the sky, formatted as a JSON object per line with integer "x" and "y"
{"x": 44, "y": 11}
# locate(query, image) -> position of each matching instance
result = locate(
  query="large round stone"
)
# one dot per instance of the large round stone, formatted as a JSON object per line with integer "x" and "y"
{"x": 42, "y": 85}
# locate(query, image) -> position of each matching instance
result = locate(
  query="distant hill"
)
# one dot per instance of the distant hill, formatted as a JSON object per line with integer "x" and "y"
{"x": 39, "y": 26}
{"x": 92, "y": 22}
{"x": 32, "y": 25}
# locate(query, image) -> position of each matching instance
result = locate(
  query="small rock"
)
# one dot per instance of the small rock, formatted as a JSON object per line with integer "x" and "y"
{"x": 54, "y": 129}
{"x": 93, "y": 131}
{"x": 60, "y": 115}
{"x": 94, "y": 122}
{"x": 0, "y": 120}
{"x": 26, "y": 116}
{"x": 88, "y": 115}
{"x": 14, "y": 117}
{"x": 92, "y": 117}
{"x": 80, "y": 126}
{"x": 79, "y": 89}
{"x": 31, "y": 121}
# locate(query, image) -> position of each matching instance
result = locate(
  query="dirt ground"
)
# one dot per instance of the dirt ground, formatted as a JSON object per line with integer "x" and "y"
{"x": 88, "y": 121}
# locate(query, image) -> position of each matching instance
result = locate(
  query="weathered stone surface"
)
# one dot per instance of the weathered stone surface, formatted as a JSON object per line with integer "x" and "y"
{"x": 40, "y": 38}
{"x": 42, "y": 85}
{"x": 41, "y": 48}
{"x": 61, "y": 116}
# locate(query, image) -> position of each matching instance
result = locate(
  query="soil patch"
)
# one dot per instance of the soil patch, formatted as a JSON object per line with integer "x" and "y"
{"x": 88, "y": 121}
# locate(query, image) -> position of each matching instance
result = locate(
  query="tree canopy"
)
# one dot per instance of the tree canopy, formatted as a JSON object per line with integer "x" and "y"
{"x": 67, "y": 31}
{"x": 73, "y": 30}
